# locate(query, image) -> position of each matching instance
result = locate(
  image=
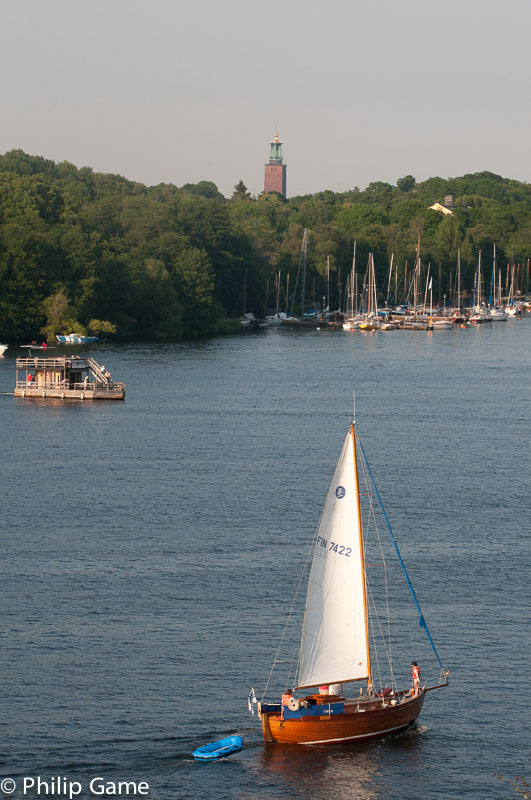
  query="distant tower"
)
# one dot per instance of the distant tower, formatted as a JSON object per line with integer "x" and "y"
{"x": 275, "y": 170}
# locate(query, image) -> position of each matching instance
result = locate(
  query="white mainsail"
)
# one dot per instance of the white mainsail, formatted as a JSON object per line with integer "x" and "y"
{"x": 334, "y": 640}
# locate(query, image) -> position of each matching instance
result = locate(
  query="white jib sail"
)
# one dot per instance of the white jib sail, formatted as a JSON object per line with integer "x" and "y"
{"x": 334, "y": 642}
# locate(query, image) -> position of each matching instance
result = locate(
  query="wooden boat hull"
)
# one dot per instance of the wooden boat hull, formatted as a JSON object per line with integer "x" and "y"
{"x": 375, "y": 722}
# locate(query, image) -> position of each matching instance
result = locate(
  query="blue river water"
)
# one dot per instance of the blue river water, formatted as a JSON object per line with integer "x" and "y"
{"x": 151, "y": 549}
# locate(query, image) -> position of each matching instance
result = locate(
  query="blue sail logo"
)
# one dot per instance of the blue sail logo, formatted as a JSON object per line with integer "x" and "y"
{"x": 340, "y": 492}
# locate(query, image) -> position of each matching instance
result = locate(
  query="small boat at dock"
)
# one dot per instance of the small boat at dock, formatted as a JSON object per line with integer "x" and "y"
{"x": 65, "y": 377}
{"x": 221, "y": 749}
{"x": 250, "y": 321}
{"x": 75, "y": 338}
{"x": 441, "y": 323}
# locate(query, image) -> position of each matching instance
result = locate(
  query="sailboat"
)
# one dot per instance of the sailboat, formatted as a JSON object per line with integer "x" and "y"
{"x": 511, "y": 309}
{"x": 496, "y": 314}
{"x": 334, "y": 647}
{"x": 372, "y": 320}
{"x": 479, "y": 316}
{"x": 354, "y": 319}
{"x": 456, "y": 315}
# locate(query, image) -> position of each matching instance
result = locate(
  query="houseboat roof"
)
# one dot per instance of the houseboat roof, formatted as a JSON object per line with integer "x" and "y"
{"x": 58, "y": 362}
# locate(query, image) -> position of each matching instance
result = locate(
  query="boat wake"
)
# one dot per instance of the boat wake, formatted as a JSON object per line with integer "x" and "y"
{"x": 416, "y": 730}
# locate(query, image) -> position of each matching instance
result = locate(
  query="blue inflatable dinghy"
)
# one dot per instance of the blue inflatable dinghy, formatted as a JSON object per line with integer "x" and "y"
{"x": 221, "y": 749}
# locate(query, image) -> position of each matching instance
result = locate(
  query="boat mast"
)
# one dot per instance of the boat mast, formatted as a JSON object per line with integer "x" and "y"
{"x": 244, "y": 290}
{"x": 303, "y": 257}
{"x": 459, "y": 280}
{"x": 369, "y": 288}
{"x": 492, "y": 295}
{"x": 375, "y": 289}
{"x": 416, "y": 278}
{"x": 480, "y": 284}
{"x": 362, "y": 557}
{"x": 352, "y": 282}
{"x": 266, "y": 296}
{"x": 328, "y": 284}
{"x": 427, "y": 287}
{"x": 389, "y": 281}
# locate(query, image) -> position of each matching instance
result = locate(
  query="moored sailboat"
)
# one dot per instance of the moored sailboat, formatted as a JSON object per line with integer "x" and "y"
{"x": 371, "y": 321}
{"x": 335, "y": 645}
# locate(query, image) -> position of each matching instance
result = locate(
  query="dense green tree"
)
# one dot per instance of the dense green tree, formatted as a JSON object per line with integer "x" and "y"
{"x": 406, "y": 183}
{"x": 91, "y": 251}
{"x": 203, "y": 189}
{"x": 60, "y": 317}
{"x": 240, "y": 192}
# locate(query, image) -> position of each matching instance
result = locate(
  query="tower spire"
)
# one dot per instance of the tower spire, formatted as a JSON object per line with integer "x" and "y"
{"x": 275, "y": 169}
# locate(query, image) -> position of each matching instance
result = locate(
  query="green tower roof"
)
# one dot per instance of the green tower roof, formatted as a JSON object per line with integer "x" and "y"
{"x": 275, "y": 150}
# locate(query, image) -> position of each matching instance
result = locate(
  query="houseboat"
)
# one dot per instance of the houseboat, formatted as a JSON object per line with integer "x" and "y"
{"x": 66, "y": 378}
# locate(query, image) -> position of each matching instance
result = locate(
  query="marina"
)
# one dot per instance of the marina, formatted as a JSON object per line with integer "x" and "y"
{"x": 372, "y": 308}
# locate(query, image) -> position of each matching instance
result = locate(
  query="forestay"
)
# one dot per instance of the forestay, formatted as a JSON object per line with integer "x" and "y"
{"x": 334, "y": 641}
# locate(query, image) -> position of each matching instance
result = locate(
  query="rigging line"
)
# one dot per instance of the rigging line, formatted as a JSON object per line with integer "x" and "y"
{"x": 388, "y": 617}
{"x": 292, "y": 669}
{"x": 303, "y": 572}
{"x": 422, "y": 621}
{"x": 371, "y": 516}
{"x": 371, "y": 624}
{"x": 375, "y": 616}
{"x": 387, "y": 611}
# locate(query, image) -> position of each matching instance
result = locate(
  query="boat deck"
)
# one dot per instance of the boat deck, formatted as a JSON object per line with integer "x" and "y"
{"x": 76, "y": 391}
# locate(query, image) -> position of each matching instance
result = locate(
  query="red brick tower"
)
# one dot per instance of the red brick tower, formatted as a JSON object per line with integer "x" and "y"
{"x": 275, "y": 169}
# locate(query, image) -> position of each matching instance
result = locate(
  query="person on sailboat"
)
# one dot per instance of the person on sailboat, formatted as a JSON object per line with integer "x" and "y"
{"x": 286, "y": 697}
{"x": 415, "y": 670}
{"x": 288, "y": 702}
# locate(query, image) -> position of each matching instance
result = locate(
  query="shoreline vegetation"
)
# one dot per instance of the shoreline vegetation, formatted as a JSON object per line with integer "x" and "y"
{"x": 97, "y": 253}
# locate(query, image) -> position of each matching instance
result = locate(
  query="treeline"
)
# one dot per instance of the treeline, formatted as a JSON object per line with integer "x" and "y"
{"x": 95, "y": 252}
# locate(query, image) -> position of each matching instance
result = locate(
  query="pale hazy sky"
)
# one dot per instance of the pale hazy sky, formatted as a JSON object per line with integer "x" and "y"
{"x": 177, "y": 92}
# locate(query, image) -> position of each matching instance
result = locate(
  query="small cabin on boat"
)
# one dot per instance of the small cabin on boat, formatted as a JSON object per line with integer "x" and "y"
{"x": 66, "y": 377}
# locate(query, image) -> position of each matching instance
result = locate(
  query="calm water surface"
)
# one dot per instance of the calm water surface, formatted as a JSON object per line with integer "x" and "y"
{"x": 150, "y": 551}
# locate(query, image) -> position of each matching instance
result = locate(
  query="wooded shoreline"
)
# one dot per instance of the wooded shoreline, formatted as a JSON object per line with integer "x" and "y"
{"x": 96, "y": 252}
